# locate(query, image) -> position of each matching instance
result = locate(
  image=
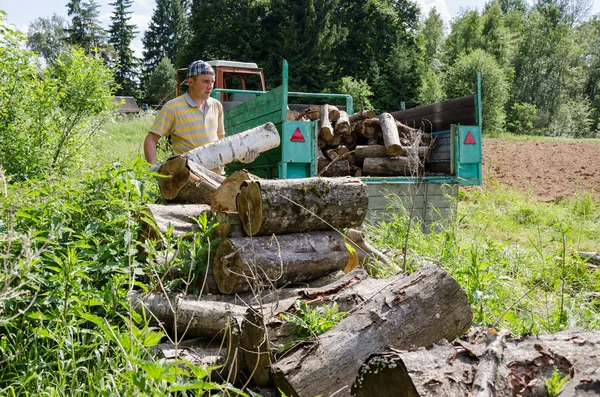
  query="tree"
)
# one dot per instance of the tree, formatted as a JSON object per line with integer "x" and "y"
{"x": 461, "y": 80}
{"x": 86, "y": 31}
{"x": 465, "y": 35}
{"x": 161, "y": 83}
{"x": 47, "y": 37}
{"x": 121, "y": 35}
{"x": 496, "y": 37}
{"x": 166, "y": 35}
{"x": 432, "y": 38}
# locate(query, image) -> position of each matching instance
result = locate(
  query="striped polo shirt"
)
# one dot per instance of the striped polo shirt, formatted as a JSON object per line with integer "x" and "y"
{"x": 186, "y": 123}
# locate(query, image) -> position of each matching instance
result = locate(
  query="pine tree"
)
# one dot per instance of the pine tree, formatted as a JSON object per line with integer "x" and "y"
{"x": 85, "y": 30}
{"x": 121, "y": 35}
{"x": 166, "y": 34}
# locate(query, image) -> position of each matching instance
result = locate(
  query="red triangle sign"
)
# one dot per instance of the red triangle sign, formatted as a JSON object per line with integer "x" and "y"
{"x": 469, "y": 140}
{"x": 297, "y": 136}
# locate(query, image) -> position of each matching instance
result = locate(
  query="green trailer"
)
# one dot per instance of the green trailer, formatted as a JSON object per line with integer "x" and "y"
{"x": 455, "y": 160}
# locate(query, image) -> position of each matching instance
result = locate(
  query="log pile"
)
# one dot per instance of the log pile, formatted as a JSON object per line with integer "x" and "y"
{"x": 363, "y": 144}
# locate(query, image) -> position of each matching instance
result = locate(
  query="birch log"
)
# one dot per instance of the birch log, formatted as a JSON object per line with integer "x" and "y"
{"x": 186, "y": 182}
{"x": 402, "y": 166}
{"x": 334, "y": 113}
{"x": 342, "y": 125}
{"x": 325, "y": 128}
{"x": 246, "y": 264}
{"x": 301, "y": 205}
{"x": 412, "y": 311}
{"x": 235, "y": 147}
{"x": 391, "y": 140}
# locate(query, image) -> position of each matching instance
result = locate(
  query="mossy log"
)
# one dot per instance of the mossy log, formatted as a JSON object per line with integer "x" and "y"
{"x": 412, "y": 311}
{"x": 301, "y": 205}
{"x": 244, "y": 264}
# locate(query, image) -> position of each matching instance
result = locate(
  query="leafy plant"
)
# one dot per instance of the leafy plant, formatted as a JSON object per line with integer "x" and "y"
{"x": 555, "y": 383}
{"x": 314, "y": 321}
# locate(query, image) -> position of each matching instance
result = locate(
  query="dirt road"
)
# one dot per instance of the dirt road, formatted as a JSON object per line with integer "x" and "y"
{"x": 549, "y": 170}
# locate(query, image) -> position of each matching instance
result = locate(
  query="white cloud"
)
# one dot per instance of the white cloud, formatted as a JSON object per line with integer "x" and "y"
{"x": 440, "y": 5}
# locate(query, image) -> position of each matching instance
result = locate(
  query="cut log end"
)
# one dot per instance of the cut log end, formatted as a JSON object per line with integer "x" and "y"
{"x": 249, "y": 206}
{"x": 231, "y": 262}
{"x": 178, "y": 175}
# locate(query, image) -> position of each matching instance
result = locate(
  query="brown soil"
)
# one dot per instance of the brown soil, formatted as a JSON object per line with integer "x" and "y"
{"x": 547, "y": 170}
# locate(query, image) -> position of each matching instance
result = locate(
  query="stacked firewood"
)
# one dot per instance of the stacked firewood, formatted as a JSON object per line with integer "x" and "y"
{"x": 363, "y": 144}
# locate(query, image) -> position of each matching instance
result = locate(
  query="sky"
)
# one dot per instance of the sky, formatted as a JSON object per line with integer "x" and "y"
{"x": 21, "y": 14}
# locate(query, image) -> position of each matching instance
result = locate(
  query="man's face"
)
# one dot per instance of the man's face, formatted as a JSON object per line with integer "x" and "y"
{"x": 201, "y": 85}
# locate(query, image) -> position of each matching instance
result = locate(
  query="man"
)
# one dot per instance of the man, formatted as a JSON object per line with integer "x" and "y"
{"x": 192, "y": 119}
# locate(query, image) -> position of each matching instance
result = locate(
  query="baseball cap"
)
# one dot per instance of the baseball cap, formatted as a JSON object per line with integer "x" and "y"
{"x": 196, "y": 68}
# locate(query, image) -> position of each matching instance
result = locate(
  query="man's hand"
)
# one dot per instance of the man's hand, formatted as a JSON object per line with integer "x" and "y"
{"x": 250, "y": 156}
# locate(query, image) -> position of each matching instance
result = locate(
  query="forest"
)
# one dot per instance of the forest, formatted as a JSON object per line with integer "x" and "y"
{"x": 539, "y": 64}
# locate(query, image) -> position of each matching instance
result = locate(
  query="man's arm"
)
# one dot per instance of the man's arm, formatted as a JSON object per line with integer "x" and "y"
{"x": 150, "y": 147}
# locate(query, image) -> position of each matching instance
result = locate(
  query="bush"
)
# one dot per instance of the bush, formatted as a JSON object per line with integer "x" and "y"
{"x": 524, "y": 119}
{"x": 461, "y": 80}
{"x": 359, "y": 90}
{"x": 573, "y": 119}
{"x": 46, "y": 117}
{"x": 161, "y": 83}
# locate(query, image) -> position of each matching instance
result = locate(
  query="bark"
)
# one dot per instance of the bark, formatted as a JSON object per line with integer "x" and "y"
{"x": 229, "y": 226}
{"x": 363, "y": 152}
{"x": 342, "y": 125}
{"x": 391, "y": 140}
{"x": 366, "y": 252}
{"x": 417, "y": 310}
{"x": 235, "y": 147}
{"x": 325, "y": 128}
{"x": 484, "y": 384}
{"x": 178, "y": 216}
{"x": 342, "y": 150}
{"x": 401, "y": 166}
{"x": 366, "y": 130}
{"x": 246, "y": 264}
{"x": 223, "y": 198}
{"x": 186, "y": 182}
{"x": 365, "y": 114}
{"x": 301, "y": 205}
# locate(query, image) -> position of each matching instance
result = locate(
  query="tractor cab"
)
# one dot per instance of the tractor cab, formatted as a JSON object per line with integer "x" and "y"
{"x": 230, "y": 75}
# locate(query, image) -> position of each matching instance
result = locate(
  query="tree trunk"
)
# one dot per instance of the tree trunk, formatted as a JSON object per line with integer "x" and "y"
{"x": 223, "y": 199}
{"x": 246, "y": 264}
{"x": 325, "y": 128}
{"x": 401, "y": 166}
{"x": 235, "y": 147}
{"x": 256, "y": 348}
{"x": 337, "y": 168}
{"x": 363, "y": 152}
{"x": 391, "y": 140}
{"x": 412, "y": 311}
{"x": 342, "y": 125}
{"x": 301, "y": 205}
{"x": 500, "y": 367}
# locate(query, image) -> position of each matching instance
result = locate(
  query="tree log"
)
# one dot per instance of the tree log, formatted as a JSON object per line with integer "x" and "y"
{"x": 417, "y": 310}
{"x": 223, "y": 199}
{"x": 256, "y": 347}
{"x": 590, "y": 257}
{"x": 311, "y": 113}
{"x": 363, "y": 152}
{"x": 365, "y": 114}
{"x": 235, "y": 147}
{"x": 246, "y": 264}
{"x": 187, "y": 182}
{"x": 342, "y": 125}
{"x": 402, "y": 166}
{"x": 391, "y": 140}
{"x": 334, "y": 141}
{"x": 301, "y": 205}
{"x": 342, "y": 150}
{"x": 332, "y": 154}
{"x": 181, "y": 217}
{"x": 350, "y": 140}
{"x": 366, "y": 252}
{"x": 334, "y": 113}
{"x": 325, "y": 128}
{"x": 337, "y": 168}
{"x": 230, "y": 225}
